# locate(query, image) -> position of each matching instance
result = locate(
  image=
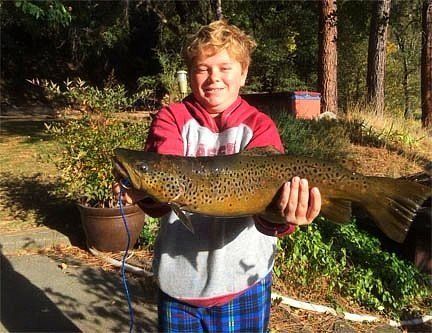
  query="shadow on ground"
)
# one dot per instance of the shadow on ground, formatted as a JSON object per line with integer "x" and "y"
{"x": 78, "y": 298}
{"x": 32, "y": 197}
{"x": 31, "y": 130}
{"x": 25, "y": 307}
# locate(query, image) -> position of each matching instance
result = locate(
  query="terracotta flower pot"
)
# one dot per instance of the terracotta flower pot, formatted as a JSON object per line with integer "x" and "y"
{"x": 105, "y": 229}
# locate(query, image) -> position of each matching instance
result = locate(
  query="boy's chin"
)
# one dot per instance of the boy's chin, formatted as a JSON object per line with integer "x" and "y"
{"x": 214, "y": 113}
{"x": 216, "y": 108}
{"x": 213, "y": 107}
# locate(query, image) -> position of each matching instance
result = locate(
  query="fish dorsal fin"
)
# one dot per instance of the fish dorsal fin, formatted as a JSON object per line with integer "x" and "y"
{"x": 261, "y": 151}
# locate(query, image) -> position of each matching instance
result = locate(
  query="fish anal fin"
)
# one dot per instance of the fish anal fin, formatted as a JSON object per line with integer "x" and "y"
{"x": 261, "y": 151}
{"x": 336, "y": 210}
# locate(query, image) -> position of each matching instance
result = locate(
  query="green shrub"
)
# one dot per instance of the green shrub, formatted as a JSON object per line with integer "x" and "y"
{"x": 149, "y": 232}
{"x": 78, "y": 94}
{"x": 353, "y": 263}
{"x": 109, "y": 99}
{"x": 87, "y": 143}
{"x": 375, "y": 278}
{"x": 86, "y": 149}
{"x": 170, "y": 63}
{"x": 308, "y": 257}
{"x": 323, "y": 139}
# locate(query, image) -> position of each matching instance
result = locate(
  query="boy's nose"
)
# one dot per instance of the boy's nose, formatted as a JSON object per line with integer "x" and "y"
{"x": 214, "y": 76}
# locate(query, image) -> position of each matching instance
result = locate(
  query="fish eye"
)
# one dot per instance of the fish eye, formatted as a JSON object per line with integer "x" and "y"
{"x": 143, "y": 167}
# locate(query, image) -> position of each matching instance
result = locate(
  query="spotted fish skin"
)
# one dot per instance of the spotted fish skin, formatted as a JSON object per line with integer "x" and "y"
{"x": 247, "y": 184}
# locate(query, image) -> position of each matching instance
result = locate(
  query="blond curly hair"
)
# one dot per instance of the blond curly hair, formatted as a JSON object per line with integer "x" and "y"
{"x": 215, "y": 37}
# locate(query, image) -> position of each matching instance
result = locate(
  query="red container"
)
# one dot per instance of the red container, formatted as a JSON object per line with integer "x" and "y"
{"x": 305, "y": 104}
{"x": 302, "y": 104}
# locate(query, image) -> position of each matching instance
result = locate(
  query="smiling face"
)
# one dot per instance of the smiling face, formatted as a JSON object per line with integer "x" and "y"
{"x": 216, "y": 81}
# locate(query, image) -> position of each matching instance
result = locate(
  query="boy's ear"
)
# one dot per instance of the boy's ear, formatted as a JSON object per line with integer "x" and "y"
{"x": 244, "y": 76}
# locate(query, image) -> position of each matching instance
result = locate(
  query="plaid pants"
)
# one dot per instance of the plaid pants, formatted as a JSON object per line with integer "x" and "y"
{"x": 248, "y": 312}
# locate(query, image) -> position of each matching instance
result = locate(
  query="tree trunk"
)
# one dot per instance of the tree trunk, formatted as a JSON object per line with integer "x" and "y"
{"x": 126, "y": 14}
{"x": 405, "y": 78}
{"x": 219, "y": 14}
{"x": 377, "y": 55}
{"x": 426, "y": 64}
{"x": 327, "y": 71}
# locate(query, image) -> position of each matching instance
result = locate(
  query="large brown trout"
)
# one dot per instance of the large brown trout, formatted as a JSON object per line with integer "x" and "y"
{"x": 247, "y": 183}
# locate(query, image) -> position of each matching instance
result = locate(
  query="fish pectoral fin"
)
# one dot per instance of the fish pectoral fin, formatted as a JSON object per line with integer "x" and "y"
{"x": 182, "y": 217}
{"x": 336, "y": 210}
{"x": 261, "y": 151}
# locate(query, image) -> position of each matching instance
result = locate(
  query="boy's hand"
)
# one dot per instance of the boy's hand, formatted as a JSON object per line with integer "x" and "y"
{"x": 129, "y": 196}
{"x": 149, "y": 206}
{"x": 298, "y": 205}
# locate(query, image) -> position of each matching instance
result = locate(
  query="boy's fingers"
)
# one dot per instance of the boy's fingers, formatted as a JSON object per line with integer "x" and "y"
{"x": 314, "y": 205}
{"x": 303, "y": 200}
{"x": 290, "y": 209}
{"x": 125, "y": 195}
{"x": 116, "y": 188}
{"x": 284, "y": 197}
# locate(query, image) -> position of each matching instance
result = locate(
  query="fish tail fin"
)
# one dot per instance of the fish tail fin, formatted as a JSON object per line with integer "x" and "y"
{"x": 393, "y": 204}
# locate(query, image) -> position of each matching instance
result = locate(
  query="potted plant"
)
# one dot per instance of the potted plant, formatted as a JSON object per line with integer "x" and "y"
{"x": 84, "y": 161}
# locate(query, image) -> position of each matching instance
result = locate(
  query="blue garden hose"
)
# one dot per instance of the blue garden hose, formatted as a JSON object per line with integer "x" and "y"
{"x": 124, "y": 184}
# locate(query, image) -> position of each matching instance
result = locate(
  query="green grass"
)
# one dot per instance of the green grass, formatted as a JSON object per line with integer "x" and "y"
{"x": 23, "y": 145}
{"x": 27, "y": 179}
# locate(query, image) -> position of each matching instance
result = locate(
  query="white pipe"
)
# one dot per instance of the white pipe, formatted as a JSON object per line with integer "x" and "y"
{"x": 117, "y": 263}
{"x": 347, "y": 316}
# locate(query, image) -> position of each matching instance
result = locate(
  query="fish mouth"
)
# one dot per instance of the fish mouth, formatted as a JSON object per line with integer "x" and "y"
{"x": 119, "y": 169}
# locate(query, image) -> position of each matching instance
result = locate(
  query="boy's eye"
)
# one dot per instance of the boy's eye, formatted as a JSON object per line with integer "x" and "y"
{"x": 226, "y": 68}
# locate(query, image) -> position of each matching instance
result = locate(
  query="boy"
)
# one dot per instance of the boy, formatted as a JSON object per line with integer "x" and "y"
{"x": 219, "y": 278}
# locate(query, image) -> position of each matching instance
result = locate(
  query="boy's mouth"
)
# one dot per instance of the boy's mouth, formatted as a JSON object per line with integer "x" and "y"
{"x": 211, "y": 90}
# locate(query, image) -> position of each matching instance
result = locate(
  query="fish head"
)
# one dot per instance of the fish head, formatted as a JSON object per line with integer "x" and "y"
{"x": 155, "y": 174}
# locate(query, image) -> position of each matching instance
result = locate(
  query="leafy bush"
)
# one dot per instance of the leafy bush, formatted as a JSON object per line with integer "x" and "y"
{"x": 377, "y": 279}
{"x": 150, "y": 88}
{"x": 170, "y": 63}
{"x": 113, "y": 97}
{"x": 78, "y": 94}
{"x": 87, "y": 143}
{"x": 109, "y": 99}
{"x": 353, "y": 263}
{"x": 149, "y": 232}
{"x": 84, "y": 160}
{"x": 308, "y": 257}
{"x": 323, "y": 139}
